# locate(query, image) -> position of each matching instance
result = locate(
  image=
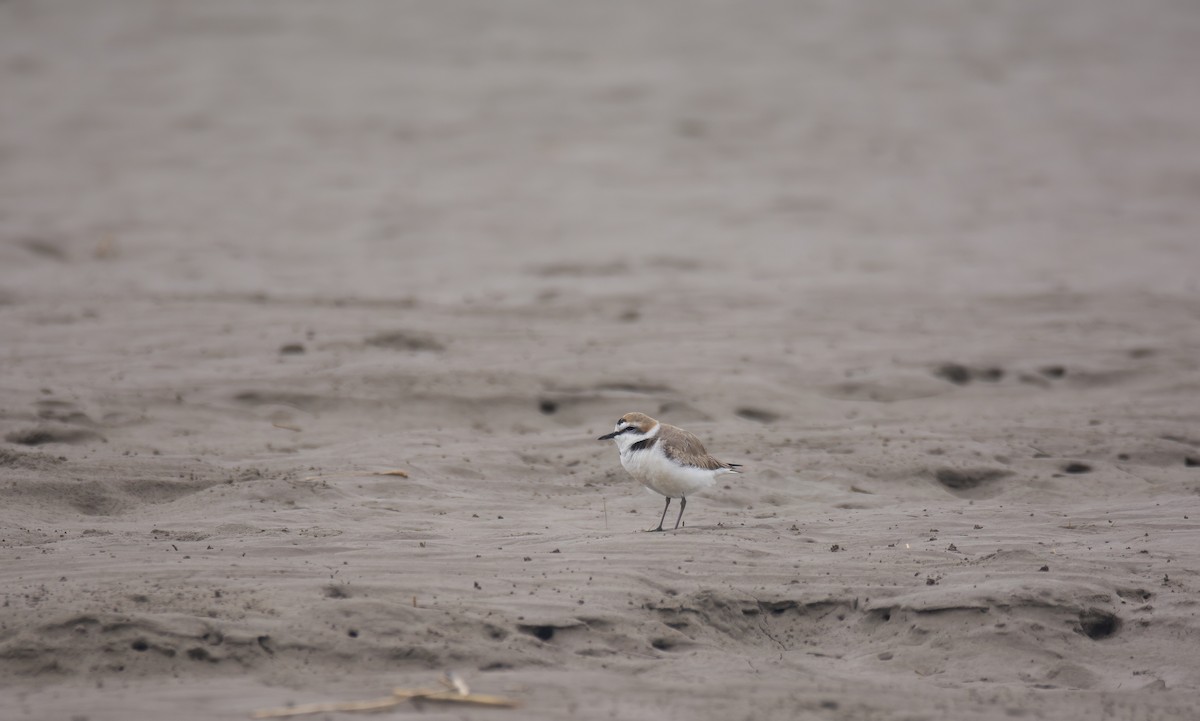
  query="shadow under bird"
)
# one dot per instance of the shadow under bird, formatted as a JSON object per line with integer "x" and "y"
{"x": 666, "y": 459}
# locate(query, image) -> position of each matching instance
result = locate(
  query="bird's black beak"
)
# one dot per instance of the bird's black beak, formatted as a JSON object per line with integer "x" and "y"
{"x": 606, "y": 437}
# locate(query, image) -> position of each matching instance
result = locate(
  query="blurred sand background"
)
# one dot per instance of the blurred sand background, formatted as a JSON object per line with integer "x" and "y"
{"x": 928, "y": 269}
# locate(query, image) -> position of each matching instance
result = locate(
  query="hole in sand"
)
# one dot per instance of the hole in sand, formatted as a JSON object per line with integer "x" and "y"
{"x": 335, "y": 591}
{"x": 1077, "y": 468}
{"x": 42, "y": 436}
{"x": 963, "y": 479}
{"x": 1098, "y": 625}
{"x": 954, "y": 372}
{"x": 405, "y": 341}
{"x": 199, "y": 654}
{"x": 542, "y": 633}
{"x": 758, "y": 415}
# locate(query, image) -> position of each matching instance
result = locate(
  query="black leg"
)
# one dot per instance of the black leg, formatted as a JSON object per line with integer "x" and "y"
{"x": 682, "y": 505}
{"x": 664, "y": 515}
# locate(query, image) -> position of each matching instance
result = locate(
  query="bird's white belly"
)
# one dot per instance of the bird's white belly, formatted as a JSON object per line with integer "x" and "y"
{"x": 652, "y": 469}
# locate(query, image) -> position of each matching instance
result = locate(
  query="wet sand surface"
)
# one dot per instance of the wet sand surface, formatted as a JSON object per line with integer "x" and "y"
{"x": 927, "y": 269}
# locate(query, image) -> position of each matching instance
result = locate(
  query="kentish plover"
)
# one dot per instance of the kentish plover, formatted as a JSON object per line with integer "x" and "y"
{"x": 666, "y": 459}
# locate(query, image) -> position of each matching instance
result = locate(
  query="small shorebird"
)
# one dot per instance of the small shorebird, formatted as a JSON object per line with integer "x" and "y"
{"x": 666, "y": 459}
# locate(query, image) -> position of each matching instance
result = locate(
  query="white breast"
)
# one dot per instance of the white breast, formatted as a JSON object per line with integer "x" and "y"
{"x": 653, "y": 470}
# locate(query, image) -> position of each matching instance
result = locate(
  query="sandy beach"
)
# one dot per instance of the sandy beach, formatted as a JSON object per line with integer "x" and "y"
{"x": 311, "y": 313}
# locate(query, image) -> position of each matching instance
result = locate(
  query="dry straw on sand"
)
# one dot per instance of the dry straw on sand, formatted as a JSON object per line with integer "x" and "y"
{"x": 453, "y": 690}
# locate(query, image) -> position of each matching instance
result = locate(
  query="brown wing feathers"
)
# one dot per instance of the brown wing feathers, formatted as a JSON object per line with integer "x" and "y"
{"x": 686, "y": 449}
